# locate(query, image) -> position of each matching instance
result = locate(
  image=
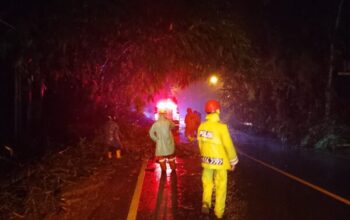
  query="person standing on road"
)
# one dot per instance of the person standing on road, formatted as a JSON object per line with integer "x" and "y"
{"x": 190, "y": 122}
{"x": 160, "y": 133}
{"x": 198, "y": 119}
{"x": 218, "y": 155}
{"x": 113, "y": 138}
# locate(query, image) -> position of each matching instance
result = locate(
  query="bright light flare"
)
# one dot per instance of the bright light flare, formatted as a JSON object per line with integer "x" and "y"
{"x": 170, "y": 107}
{"x": 166, "y": 104}
{"x": 213, "y": 80}
{"x": 248, "y": 123}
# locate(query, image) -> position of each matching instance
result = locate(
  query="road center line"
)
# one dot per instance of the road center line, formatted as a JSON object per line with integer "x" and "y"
{"x": 137, "y": 193}
{"x": 304, "y": 182}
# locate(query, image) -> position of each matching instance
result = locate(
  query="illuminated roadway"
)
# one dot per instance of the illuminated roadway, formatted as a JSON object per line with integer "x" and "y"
{"x": 269, "y": 183}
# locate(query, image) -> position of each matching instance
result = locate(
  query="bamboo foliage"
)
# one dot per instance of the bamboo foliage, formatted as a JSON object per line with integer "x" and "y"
{"x": 104, "y": 56}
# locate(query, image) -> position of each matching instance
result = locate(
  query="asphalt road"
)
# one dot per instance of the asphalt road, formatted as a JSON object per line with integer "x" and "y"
{"x": 262, "y": 193}
{"x": 255, "y": 191}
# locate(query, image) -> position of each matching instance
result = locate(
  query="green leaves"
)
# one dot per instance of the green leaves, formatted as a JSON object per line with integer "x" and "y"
{"x": 117, "y": 58}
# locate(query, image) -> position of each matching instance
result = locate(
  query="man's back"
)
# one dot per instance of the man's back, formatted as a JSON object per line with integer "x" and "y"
{"x": 162, "y": 128}
{"x": 111, "y": 131}
{"x": 160, "y": 132}
{"x": 215, "y": 143}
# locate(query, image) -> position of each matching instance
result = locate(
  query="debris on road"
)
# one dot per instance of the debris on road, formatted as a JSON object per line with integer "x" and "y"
{"x": 56, "y": 183}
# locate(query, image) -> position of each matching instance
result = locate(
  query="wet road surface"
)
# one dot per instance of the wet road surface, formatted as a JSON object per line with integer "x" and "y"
{"x": 261, "y": 193}
{"x": 176, "y": 195}
{"x": 254, "y": 191}
{"x": 327, "y": 170}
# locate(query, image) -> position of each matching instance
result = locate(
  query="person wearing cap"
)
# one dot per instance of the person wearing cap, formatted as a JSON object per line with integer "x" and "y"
{"x": 218, "y": 155}
{"x": 160, "y": 133}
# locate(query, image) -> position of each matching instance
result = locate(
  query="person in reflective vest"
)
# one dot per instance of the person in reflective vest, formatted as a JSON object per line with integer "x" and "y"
{"x": 218, "y": 155}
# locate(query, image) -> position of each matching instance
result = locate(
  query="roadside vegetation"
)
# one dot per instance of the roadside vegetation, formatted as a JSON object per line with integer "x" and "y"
{"x": 75, "y": 63}
{"x": 53, "y": 183}
{"x": 89, "y": 59}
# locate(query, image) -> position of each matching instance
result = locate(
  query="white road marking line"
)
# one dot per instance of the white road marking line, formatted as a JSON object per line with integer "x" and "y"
{"x": 304, "y": 182}
{"x": 137, "y": 193}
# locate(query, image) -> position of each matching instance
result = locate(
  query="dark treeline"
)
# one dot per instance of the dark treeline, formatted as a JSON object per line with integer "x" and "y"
{"x": 67, "y": 64}
{"x": 288, "y": 94}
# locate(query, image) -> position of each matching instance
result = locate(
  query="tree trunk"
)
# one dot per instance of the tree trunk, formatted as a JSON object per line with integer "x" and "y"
{"x": 17, "y": 107}
{"x": 329, "y": 91}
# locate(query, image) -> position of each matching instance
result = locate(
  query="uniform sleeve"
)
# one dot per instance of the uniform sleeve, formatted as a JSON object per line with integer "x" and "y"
{"x": 198, "y": 138}
{"x": 152, "y": 133}
{"x": 229, "y": 147}
{"x": 186, "y": 119}
{"x": 172, "y": 124}
{"x": 116, "y": 133}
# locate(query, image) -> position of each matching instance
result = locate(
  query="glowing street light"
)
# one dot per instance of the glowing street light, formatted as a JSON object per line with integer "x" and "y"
{"x": 213, "y": 80}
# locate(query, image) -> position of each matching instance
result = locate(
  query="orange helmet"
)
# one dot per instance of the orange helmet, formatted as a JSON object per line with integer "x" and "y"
{"x": 211, "y": 106}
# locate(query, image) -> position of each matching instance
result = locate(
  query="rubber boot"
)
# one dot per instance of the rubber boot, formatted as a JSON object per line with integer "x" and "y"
{"x": 205, "y": 209}
{"x": 109, "y": 154}
{"x": 162, "y": 166}
{"x": 172, "y": 165}
{"x": 118, "y": 154}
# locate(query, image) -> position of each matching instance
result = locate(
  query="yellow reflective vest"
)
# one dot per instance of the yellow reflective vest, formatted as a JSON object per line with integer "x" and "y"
{"x": 215, "y": 144}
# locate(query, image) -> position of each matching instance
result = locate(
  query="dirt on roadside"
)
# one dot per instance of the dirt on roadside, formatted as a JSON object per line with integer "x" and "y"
{"x": 104, "y": 195}
{"x": 107, "y": 194}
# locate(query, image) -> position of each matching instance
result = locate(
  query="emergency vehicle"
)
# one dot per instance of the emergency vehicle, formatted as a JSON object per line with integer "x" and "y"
{"x": 172, "y": 111}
